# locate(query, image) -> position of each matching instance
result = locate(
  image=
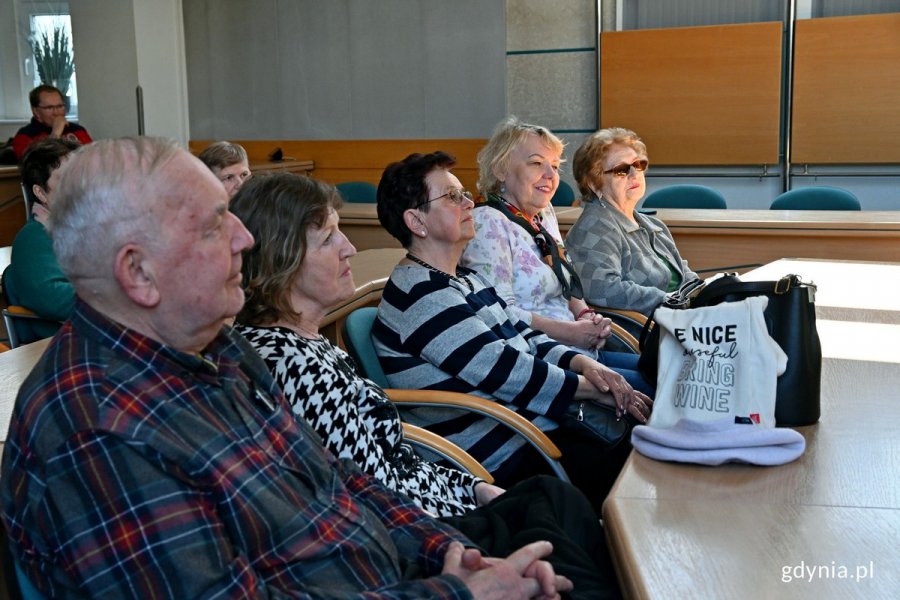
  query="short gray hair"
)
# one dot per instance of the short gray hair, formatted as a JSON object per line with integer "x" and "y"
{"x": 104, "y": 195}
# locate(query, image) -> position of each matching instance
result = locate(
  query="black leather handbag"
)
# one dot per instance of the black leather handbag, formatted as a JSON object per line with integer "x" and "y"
{"x": 597, "y": 422}
{"x": 791, "y": 321}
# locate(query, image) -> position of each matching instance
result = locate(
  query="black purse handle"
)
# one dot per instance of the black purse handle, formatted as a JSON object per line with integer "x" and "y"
{"x": 730, "y": 284}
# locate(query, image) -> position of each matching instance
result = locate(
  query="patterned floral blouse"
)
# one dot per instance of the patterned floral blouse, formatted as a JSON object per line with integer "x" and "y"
{"x": 507, "y": 257}
{"x": 356, "y": 420}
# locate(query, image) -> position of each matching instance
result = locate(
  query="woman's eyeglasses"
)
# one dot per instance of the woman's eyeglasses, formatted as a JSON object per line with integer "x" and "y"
{"x": 456, "y": 197}
{"x": 624, "y": 169}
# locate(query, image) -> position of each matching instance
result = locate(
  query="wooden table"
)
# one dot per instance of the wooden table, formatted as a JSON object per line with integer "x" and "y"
{"x": 15, "y": 365}
{"x": 359, "y": 222}
{"x": 847, "y": 290}
{"x": 740, "y": 531}
{"x": 5, "y": 257}
{"x": 714, "y": 239}
{"x": 301, "y": 167}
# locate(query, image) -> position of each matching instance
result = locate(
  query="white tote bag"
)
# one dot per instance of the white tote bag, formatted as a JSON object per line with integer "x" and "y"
{"x": 717, "y": 362}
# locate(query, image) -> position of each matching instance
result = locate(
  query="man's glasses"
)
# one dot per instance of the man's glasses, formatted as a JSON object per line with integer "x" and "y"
{"x": 53, "y": 107}
{"x": 624, "y": 169}
{"x": 456, "y": 197}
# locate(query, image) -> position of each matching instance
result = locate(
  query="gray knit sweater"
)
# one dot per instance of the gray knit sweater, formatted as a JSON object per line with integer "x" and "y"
{"x": 618, "y": 261}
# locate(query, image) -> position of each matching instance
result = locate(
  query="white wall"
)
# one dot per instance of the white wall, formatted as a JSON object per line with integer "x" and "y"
{"x": 122, "y": 44}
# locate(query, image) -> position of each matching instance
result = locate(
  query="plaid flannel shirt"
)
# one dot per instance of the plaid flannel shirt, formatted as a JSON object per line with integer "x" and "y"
{"x": 135, "y": 470}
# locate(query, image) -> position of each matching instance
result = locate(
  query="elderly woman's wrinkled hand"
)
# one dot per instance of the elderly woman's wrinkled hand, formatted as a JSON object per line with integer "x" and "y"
{"x": 591, "y": 331}
{"x": 606, "y": 380}
{"x": 640, "y": 406}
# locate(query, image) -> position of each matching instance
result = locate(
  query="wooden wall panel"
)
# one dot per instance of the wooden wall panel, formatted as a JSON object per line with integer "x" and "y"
{"x": 362, "y": 160}
{"x": 696, "y": 95}
{"x": 847, "y": 90}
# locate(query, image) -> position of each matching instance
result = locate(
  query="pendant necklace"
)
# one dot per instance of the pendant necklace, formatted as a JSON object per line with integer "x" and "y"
{"x": 455, "y": 278}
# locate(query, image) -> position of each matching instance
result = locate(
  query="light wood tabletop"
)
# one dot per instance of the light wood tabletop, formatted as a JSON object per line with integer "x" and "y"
{"x": 849, "y": 290}
{"x": 715, "y": 239}
{"x": 5, "y": 257}
{"x": 824, "y": 526}
{"x": 15, "y": 365}
{"x": 300, "y": 167}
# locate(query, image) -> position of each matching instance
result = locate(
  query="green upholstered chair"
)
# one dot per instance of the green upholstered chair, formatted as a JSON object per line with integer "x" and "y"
{"x": 564, "y": 196}
{"x": 816, "y": 198}
{"x": 685, "y": 196}
{"x": 358, "y": 341}
{"x": 357, "y": 191}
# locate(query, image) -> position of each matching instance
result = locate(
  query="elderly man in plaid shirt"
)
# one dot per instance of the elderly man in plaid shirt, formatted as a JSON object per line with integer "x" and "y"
{"x": 151, "y": 455}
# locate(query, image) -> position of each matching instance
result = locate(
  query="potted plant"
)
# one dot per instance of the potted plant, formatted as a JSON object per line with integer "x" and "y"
{"x": 53, "y": 57}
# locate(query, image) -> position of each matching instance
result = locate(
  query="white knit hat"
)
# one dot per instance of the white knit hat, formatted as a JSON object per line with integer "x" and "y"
{"x": 717, "y": 442}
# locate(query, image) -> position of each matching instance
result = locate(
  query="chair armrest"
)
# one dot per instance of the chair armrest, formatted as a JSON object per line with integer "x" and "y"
{"x": 13, "y": 312}
{"x": 631, "y": 316}
{"x": 20, "y": 312}
{"x": 626, "y": 338}
{"x": 446, "y": 449}
{"x": 487, "y": 408}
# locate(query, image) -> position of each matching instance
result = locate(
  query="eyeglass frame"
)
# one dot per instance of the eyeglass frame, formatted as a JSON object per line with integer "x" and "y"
{"x": 639, "y": 166}
{"x": 464, "y": 194}
{"x": 52, "y": 107}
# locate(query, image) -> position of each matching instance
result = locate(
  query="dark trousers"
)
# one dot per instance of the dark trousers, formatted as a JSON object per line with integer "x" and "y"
{"x": 546, "y": 508}
{"x": 591, "y": 467}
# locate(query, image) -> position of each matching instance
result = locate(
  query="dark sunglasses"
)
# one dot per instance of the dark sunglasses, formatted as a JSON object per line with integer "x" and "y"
{"x": 624, "y": 169}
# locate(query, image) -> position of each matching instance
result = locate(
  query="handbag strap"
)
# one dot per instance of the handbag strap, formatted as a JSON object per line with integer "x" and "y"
{"x": 553, "y": 252}
{"x": 732, "y": 284}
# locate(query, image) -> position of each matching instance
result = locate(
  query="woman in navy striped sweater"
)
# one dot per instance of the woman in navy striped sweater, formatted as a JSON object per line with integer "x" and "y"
{"x": 440, "y": 326}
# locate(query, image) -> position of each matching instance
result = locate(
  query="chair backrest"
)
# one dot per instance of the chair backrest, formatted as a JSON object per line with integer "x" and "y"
{"x": 357, "y": 336}
{"x": 564, "y": 196}
{"x": 26, "y": 196}
{"x": 26, "y": 588}
{"x": 685, "y": 196}
{"x": 357, "y": 191}
{"x": 22, "y": 325}
{"x": 820, "y": 197}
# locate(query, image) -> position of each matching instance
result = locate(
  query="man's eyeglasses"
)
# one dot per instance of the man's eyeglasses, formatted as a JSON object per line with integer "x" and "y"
{"x": 624, "y": 169}
{"x": 456, "y": 196}
{"x": 53, "y": 107}
{"x": 236, "y": 177}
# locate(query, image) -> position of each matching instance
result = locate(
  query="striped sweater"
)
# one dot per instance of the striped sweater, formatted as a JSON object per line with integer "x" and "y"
{"x": 434, "y": 332}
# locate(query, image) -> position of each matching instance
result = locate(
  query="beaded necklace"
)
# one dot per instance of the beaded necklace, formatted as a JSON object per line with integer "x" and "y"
{"x": 457, "y": 278}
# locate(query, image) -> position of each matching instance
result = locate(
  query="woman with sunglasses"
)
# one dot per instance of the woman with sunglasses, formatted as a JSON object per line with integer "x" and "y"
{"x": 625, "y": 259}
{"x": 518, "y": 247}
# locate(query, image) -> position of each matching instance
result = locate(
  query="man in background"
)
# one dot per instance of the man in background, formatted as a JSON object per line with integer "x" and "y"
{"x": 48, "y": 107}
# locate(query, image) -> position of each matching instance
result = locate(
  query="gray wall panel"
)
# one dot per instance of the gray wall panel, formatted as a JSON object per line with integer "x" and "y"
{"x": 551, "y": 25}
{"x": 556, "y": 90}
{"x": 322, "y": 69}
